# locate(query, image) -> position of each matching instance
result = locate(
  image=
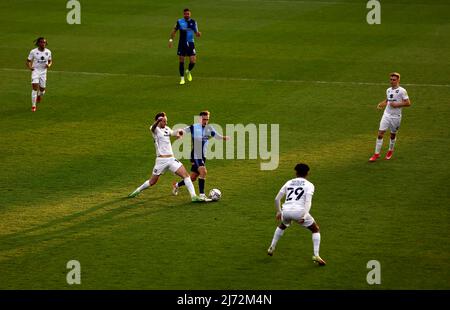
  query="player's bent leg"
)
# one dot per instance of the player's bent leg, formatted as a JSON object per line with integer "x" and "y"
{"x": 378, "y": 145}
{"x": 34, "y": 95}
{"x": 41, "y": 93}
{"x": 177, "y": 185}
{"x": 279, "y": 231}
{"x": 201, "y": 181}
{"x": 181, "y": 172}
{"x": 314, "y": 228}
{"x": 194, "y": 176}
{"x": 391, "y": 146}
{"x": 181, "y": 69}
{"x": 192, "y": 61}
{"x": 381, "y": 134}
{"x": 153, "y": 180}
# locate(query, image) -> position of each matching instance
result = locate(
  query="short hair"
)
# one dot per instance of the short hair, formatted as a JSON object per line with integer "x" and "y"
{"x": 395, "y": 74}
{"x": 204, "y": 113}
{"x": 163, "y": 114}
{"x": 186, "y": 10}
{"x": 302, "y": 170}
{"x": 36, "y": 42}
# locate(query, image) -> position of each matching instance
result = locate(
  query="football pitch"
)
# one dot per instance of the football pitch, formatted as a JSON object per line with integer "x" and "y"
{"x": 316, "y": 68}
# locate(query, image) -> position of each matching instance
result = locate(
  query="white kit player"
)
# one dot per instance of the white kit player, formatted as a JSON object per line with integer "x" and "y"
{"x": 396, "y": 99}
{"x": 39, "y": 60}
{"x": 164, "y": 158}
{"x": 298, "y": 192}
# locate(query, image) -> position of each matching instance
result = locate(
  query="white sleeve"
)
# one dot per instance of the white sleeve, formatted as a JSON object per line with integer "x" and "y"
{"x": 308, "y": 202}
{"x": 31, "y": 55}
{"x": 280, "y": 195}
{"x": 49, "y": 55}
{"x": 171, "y": 132}
{"x": 278, "y": 201}
{"x": 405, "y": 95}
{"x": 310, "y": 189}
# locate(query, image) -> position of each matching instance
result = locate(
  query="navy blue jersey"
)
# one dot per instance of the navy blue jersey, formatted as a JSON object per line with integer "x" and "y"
{"x": 187, "y": 30}
{"x": 200, "y": 136}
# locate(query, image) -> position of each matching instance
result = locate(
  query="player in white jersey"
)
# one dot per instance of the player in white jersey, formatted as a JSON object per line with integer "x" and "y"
{"x": 38, "y": 61}
{"x": 164, "y": 157}
{"x": 396, "y": 99}
{"x": 298, "y": 192}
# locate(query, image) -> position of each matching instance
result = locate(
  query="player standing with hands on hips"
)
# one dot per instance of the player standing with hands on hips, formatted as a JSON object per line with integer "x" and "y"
{"x": 396, "y": 99}
{"x": 38, "y": 61}
{"x": 186, "y": 47}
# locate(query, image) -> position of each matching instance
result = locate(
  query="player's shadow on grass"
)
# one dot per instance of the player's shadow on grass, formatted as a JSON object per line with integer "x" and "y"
{"x": 64, "y": 228}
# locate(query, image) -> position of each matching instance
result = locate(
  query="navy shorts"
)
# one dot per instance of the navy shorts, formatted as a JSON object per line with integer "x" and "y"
{"x": 197, "y": 163}
{"x": 186, "y": 49}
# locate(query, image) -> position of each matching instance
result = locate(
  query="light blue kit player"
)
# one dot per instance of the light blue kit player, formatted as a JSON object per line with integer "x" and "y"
{"x": 186, "y": 47}
{"x": 200, "y": 133}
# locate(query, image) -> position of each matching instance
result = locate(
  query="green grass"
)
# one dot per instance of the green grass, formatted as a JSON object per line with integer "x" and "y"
{"x": 65, "y": 170}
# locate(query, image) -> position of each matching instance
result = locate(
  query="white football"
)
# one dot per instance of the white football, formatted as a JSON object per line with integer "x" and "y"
{"x": 215, "y": 194}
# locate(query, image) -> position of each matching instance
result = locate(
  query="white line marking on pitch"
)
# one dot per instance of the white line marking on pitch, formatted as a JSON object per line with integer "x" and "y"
{"x": 229, "y": 78}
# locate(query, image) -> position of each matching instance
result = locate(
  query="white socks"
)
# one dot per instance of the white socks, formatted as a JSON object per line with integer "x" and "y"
{"x": 378, "y": 146}
{"x": 145, "y": 185}
{"x": 316, "y": 243}
{"x": 392, "y": 144}
{"x": 315, "y": 238}
{"x": 276, "y": 236}
{"x": 33, "y": 97}
{"x": 189, "y": 186}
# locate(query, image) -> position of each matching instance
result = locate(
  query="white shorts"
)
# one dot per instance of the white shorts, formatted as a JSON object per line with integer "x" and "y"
{"x": 39, "y": 77}
{"x": 391, "y": 123}
{"x": 163, "y": 164}
{"x": 288, "y": 216}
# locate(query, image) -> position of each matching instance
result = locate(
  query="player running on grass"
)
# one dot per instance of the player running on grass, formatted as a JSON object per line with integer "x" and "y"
{"x": 298, "y": 192}
{"x": 397, "y": 98}
{"x": 38, "y": 61}
{"x": 186, "y": 46}
{"x": 200, "y": 133}
{"x": 164, "y": 157}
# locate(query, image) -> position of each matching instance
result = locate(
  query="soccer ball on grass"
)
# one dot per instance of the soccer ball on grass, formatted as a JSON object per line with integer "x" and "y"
{"x": 215, "y": 194}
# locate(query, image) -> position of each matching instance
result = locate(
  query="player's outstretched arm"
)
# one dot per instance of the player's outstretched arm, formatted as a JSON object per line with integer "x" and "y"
{"x": 218, "y": 136}
{"x": 178, "y": 133}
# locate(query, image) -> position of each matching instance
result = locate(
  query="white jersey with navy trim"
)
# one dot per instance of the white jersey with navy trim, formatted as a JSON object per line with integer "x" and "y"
{"x": 396, "y": 95}
{"x": 40, "y": 59}
{"x": 295, "y": 191}
{"x": 161, "y": 136}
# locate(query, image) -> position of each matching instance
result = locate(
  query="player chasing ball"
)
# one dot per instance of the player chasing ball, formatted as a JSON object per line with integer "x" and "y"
{"x": 38, "y": 61}
{"x": 200, "y": 133}
{"x": 165, "y": 159}
{"x": 298, "y": 192}
{"x": 396, "y": 99}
